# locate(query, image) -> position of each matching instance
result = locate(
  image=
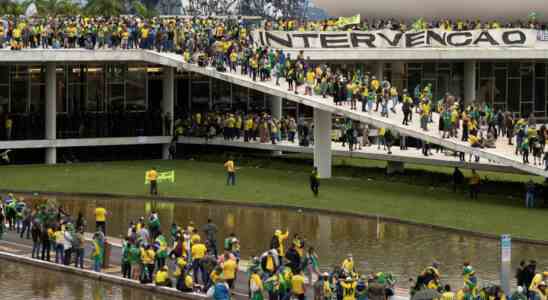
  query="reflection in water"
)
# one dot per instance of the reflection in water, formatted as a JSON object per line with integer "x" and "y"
{"x": 401, "y": 249}
{"x": 20, "y": 281}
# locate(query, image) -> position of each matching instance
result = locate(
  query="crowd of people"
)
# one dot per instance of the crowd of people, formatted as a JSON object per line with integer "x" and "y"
{"x": 184, "y": 33}
{"x": 335, "y": 24}
{"x": 188, "y": 259}
{"x": 227, "y": 45}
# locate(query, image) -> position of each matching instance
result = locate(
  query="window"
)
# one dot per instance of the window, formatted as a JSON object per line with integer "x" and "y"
{"x": 221, "y": 95}
{"x": 61, "y": 90}
{"x": 136, "y": 93}
{"x": 38, "y": 98}
{"x": 19, "y": 89}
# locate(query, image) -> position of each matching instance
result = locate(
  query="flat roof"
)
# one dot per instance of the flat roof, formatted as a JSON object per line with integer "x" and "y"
{"x": 136, "y": 55}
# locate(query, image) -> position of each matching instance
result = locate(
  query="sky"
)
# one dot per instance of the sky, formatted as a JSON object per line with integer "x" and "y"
{"x": 436, "y": 8}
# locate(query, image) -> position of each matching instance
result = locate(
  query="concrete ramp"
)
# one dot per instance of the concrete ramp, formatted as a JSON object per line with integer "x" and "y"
{"x": 503, "y": 153}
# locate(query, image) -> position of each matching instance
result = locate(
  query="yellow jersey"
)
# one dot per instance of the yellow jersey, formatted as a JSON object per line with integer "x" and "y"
{"x": 152, "y": 175}
{"x": 100, "y": 214}
{"x": 198, "y": 251}
{"x": 297, "y": 284}
{"x": 229, "y": 166}
{"x": 229, "y": 269}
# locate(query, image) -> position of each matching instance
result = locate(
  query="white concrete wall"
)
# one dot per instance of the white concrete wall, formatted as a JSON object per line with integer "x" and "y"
{"x": 322, "y": 142}
{"x": 469, "y": 81}
{"x": 51, "y": 112}
{"x": 168, "y": 105}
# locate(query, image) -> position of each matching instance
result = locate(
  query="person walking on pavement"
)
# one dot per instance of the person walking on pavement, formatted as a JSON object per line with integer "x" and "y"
{"x": 230, "y": 172}
{"x": 152, "y": 177}
{"x": 101, "y": 219}
{"x": 315, "y": 181}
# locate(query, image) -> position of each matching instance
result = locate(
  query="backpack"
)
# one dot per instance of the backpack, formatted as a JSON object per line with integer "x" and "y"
{"x": 274, "y": 243}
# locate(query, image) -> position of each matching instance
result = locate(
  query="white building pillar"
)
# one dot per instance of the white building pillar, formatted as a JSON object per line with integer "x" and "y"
{"x": 51, "y": 112}
{"x": 398, "y": 71}
{"x": 378, "y": 70}
{"x": 276, "y": 107}
{"x": 322, "y": 142}
{"x": 469, "y": 81}
{"x": 168, "y": 86}
{"x": 276, "y": 112}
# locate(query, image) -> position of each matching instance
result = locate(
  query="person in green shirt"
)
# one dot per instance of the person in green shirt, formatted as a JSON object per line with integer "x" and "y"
{"x": 98, "y": 251}
{"x": 134, "y": 257}
{"x": 126, "y": 265}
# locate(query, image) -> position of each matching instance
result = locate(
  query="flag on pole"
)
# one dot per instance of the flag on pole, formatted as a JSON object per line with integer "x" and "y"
{"x": 168, "y": 176}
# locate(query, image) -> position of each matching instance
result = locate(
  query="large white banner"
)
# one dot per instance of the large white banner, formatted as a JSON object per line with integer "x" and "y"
{"x": 434, "y": 38}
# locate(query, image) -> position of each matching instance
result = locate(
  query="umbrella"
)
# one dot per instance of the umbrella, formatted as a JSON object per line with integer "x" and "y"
{"x": 426, "y": 294}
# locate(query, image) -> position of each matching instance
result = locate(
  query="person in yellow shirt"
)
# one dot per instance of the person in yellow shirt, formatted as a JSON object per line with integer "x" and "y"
{"x": 281, "y": 241}
{"x": 348, "y": 264}
{"x": 152, "y": 178}
{"x": 231, "y": 172}
{"x": 148, "y": 258}
{"x": 474, "y": 185}
{"x": 447, "y": 294}
{"x": 256, "y": 284}
{"x": 537, "y": 279}
{"x": 349, "y": 288}
{"x": 297, "y": 286}
{"x": 198, "y": 252}
{"x": 195, "y": 237}
{"x": 101, "y": 219}
{"x": 230, "y": 267}
{"x": 59, "y": 245}
{"x": 216, "y": 275}
{"x": 248, "y": 127}
{"x": 162, "y": 277}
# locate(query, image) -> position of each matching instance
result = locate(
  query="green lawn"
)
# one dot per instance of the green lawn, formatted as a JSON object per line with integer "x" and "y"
{"x": 275, "y": 182}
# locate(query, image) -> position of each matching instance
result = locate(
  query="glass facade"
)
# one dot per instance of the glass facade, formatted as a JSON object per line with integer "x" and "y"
{"x": 22, "y": 102}
{"x": 117, "y": 100}
{"x": 516, "y": 86}
{"x": 519, "y": 87}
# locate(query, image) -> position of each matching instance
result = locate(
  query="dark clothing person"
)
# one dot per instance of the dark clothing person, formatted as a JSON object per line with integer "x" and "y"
{"x": 294, "y": 260}
{"x": 210, "y": 229}
{"x": 46, "y": 244}
{"x": 458, "y": 179}
{"x": 314, "y": 182}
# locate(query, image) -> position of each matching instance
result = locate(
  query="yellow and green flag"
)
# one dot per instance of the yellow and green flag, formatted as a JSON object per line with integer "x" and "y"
{"x": 345, "y": 21}
{"x": 168, "y": 176}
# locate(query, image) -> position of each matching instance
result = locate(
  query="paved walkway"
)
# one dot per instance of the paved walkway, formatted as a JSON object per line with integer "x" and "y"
{"x": 411, "y": 155}
{"x": 503, "y": 153}
{"x": 12, "y": 243}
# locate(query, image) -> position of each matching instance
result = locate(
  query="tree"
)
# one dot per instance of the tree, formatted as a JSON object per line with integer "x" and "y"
{"x": 143, "y": 11}
{"x": 57, "y": 7}
{"x": 13, "y": 7}
{"x": 104, "y": 7}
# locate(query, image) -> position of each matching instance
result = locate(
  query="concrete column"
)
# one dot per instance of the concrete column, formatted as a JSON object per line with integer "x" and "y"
{"x": 398, "y": 70}
{"x": 378, "y": 70}
{"x": 276, "y": 107}
{"x": 322, "y": 142}
{"x": 469, "y": 81}
{"x": 276, "y": 112}
{"x": 51, "y": 112}
{"x": 168, "y": 85}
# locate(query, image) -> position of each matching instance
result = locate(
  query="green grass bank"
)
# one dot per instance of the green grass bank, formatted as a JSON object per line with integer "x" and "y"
{"x": 422, "y": 194}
